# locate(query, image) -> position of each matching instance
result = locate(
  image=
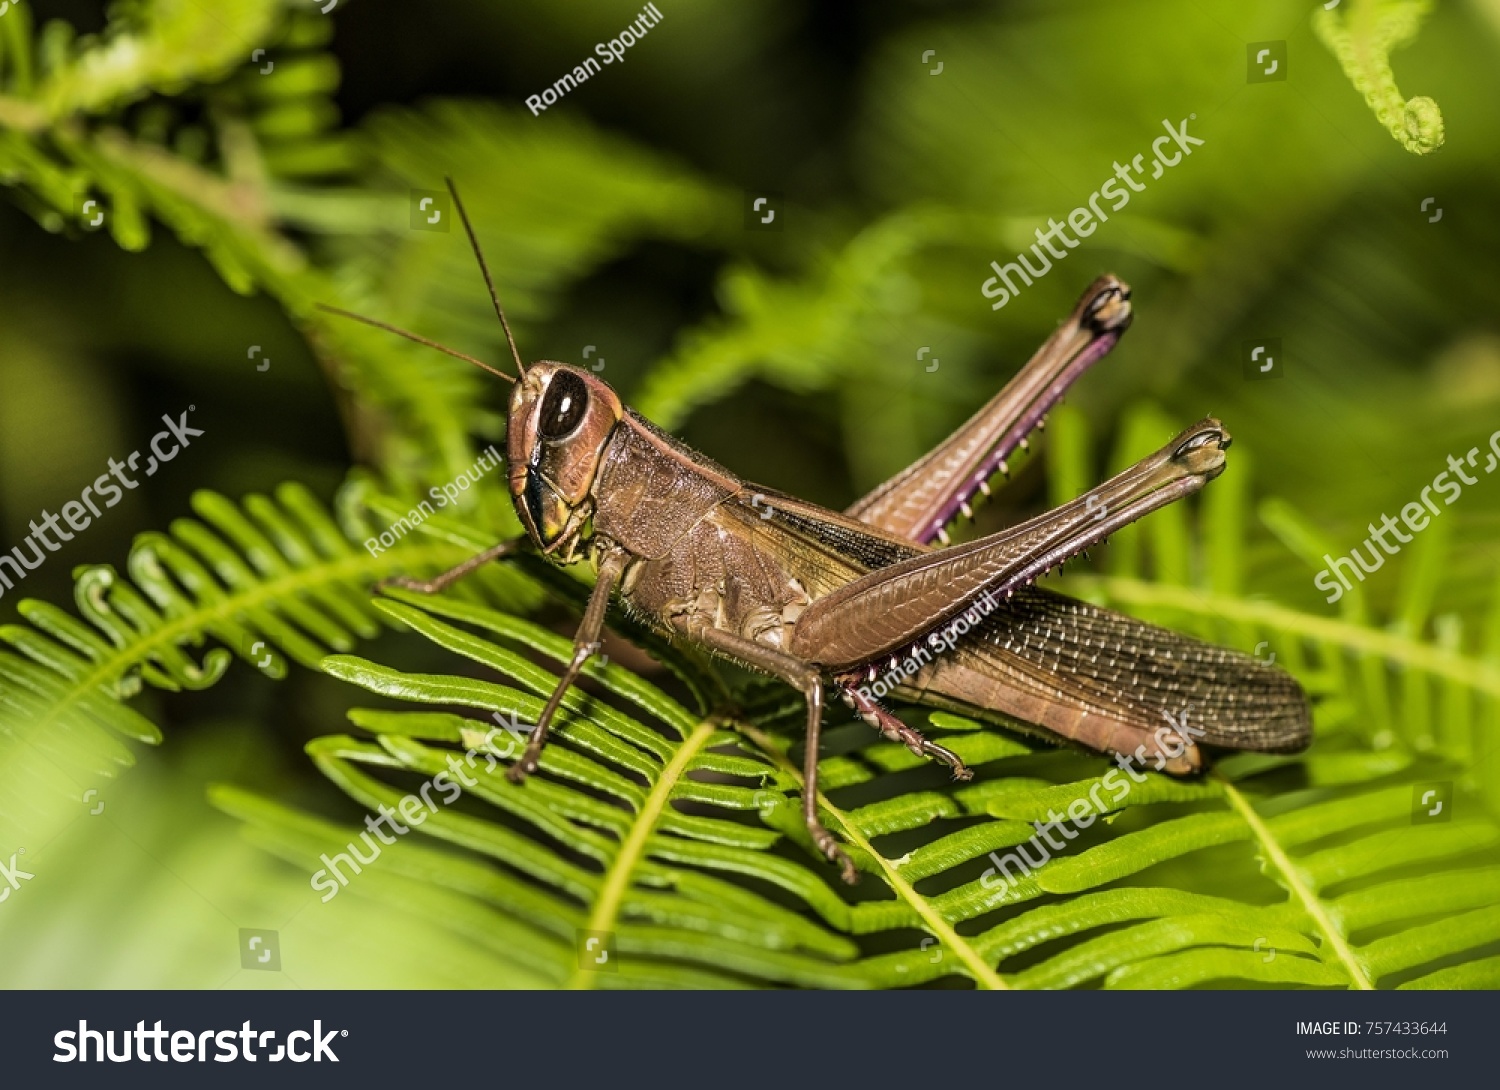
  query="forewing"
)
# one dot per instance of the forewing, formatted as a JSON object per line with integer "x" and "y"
{"x": 1066, "y": 651}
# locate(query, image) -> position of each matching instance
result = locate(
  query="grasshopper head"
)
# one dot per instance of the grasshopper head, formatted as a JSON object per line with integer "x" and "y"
{"x": 561, "y": 420}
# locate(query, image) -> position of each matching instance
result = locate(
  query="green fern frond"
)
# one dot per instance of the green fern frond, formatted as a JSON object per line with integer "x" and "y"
{"x": 666, "y": 883}
{"x": 639, "y": 819}
{"x": 116, "y": 173}
{"x": 266, "y": 581}
{"x": 293, "y": 116}
{"x": 147, "y": 46}
{"x": 1362, "y": 34}
{"x": 677, "y": 830}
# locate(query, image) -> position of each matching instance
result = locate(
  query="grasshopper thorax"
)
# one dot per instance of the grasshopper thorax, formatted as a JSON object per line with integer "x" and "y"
{"x": 561, "y": 420}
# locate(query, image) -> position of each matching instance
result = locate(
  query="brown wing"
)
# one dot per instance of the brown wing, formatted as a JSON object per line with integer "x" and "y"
{"x": 1075, "y": 669}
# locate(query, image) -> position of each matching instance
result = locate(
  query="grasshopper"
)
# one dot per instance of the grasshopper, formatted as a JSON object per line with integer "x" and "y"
{"x": 826, "y": 601}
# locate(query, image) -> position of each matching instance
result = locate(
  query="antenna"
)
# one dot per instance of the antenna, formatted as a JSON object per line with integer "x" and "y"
{"x": 489, "y": 281}
{"x": 413, "y": 337}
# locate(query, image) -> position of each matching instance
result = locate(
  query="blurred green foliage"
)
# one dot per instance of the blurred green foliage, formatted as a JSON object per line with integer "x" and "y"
{"x": 237, "y": 197}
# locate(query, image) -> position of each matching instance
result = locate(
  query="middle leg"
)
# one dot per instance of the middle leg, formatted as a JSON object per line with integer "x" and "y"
{"x": 806, "y": 678}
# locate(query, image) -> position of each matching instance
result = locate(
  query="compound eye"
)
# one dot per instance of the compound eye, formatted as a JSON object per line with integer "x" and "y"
{"x": 564, "y": 406}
